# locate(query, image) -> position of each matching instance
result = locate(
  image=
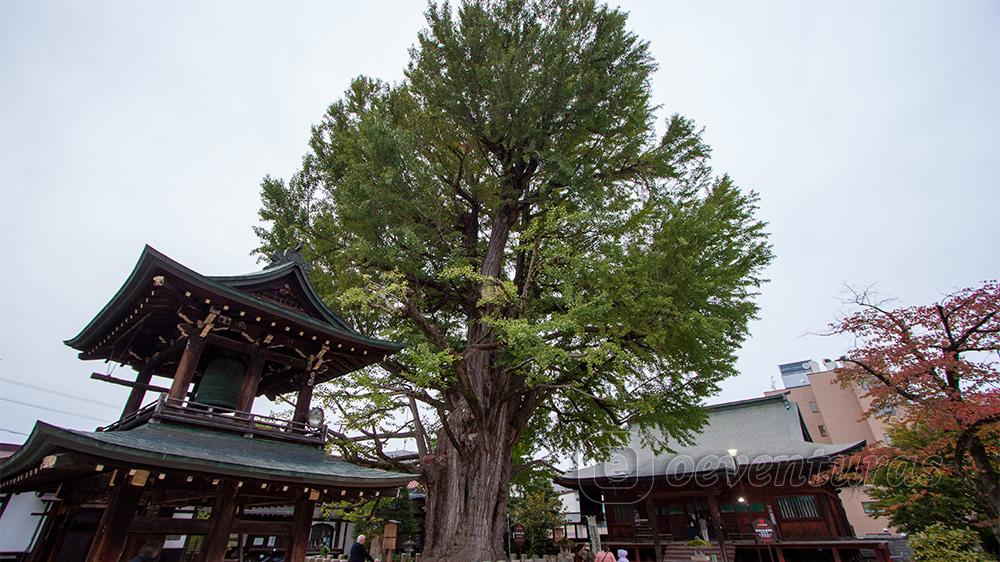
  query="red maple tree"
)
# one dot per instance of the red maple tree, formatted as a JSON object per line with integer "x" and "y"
{"x": 937, "y": 366}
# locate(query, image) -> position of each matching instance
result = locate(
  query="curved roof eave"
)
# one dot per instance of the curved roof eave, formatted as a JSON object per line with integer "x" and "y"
{"x": 151, "y": 257}
{"x": 46, "y": 438}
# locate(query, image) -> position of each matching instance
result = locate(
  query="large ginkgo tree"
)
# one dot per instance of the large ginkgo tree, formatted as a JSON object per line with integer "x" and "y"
{"x": 561, "y": 264}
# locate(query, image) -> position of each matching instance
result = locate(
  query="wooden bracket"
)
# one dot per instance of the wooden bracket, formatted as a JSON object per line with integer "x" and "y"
{"x": 139, "y": 478}
{"x": 209, "y": 322}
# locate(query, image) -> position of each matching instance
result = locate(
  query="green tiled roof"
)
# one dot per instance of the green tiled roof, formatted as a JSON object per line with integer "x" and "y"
{"x": 764, "y": 431}
{"x": 199, "y": 450}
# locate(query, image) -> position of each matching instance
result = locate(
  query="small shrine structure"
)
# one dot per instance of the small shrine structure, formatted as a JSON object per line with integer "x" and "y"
{"x": 220, "y": 342}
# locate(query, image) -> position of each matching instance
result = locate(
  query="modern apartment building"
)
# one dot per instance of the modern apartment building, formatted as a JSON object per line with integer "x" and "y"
{"x": 836, "y": 414}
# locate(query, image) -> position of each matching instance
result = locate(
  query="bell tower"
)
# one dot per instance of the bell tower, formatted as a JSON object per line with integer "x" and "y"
{"x": 224, "y": 340}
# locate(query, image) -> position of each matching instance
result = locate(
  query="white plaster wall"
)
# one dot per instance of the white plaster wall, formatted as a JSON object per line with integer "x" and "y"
{"x": 17, "y": 526}
{"x": 570, "y": 501}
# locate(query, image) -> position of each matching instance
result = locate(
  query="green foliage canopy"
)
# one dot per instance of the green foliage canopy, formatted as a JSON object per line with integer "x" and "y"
{"x": 510, "y": 212}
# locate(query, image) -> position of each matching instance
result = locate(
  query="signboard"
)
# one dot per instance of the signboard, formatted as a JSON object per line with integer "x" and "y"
{"x": 764, "y": 531}
{"x": 796, "y": 368}
{"x": 518, "y": 534}
{"x": 797, "y": 374}
{"x": 389, "y": 533}
{"x": 593, "y": 533}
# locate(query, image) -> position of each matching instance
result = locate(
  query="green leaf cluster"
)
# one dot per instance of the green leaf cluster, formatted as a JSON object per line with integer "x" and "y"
{"x": 536, "y": 505}
{"x": 940, "y": 543}
{"x": 917, "y": 490}
{"x": 369, "y": 517}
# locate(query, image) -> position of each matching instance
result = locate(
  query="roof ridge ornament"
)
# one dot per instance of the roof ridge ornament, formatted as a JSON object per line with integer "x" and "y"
{"x": 289, "y": 255}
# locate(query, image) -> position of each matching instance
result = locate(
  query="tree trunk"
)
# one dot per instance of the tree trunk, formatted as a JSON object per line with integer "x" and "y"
{"x": 467, "y": 491}
{"x": 988, "y": 478}
{"x": 468, "y": 476}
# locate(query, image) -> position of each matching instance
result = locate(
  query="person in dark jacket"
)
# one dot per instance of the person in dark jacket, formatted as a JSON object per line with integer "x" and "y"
{"x": 359, "y": 553}
{"x": 147, "y": 553}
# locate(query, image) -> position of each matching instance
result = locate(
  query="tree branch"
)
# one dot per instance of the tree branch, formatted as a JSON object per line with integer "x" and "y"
{"x": 884, "y": 380}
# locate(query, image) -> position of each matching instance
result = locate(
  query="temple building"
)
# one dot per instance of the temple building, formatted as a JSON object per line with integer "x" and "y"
{"x": 748, "y": 486}
{"x": 196, "y": 462}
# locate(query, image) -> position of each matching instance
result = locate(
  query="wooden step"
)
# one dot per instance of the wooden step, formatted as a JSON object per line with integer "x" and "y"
{"x": 681, "y": 552}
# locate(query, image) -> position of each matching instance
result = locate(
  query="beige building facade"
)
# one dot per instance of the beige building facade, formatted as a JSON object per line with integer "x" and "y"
{"x": 836, "y": 414}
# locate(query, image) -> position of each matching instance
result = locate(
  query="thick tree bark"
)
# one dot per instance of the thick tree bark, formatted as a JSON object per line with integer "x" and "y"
{"x": 467, "y": 491}
{"x": 988, "y": 478}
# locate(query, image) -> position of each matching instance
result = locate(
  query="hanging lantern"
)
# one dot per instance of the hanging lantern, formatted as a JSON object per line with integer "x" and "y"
{"x": 315, "y": 417}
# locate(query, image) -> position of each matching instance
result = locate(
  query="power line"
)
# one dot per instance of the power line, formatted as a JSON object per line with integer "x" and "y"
{"x": 12, "y": 431}
{"x": 58, "y": 393}
{"x": 56, "y": 410}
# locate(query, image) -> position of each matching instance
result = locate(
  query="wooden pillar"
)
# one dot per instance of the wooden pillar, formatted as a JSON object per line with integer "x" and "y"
{"x": 223, "y": 513}
{"x": 654, "y": 526}
{"x": 720, "y": 530}
{"x": 134, "y": 401}
{"x": 186, "y": 367}
{"x": 302, "y": 403}
{"x": 781, "y": 554}
{"x": 112, "y": 531}
{"x": 836, "y": 554}
{"x": 251, "y": 380}
{"x": 833, "y": 529}
{"x": 298, "y": 541}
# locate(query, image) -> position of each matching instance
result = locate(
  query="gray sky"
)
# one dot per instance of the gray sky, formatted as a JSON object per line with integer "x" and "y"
{"x": 870, "y": 129}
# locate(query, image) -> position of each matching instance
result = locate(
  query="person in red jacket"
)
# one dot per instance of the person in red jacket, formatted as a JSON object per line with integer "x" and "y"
{"x": 605, "y": 555}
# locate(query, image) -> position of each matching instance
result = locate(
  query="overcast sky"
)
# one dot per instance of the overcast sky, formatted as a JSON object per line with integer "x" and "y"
{"x": 871, "y": 130}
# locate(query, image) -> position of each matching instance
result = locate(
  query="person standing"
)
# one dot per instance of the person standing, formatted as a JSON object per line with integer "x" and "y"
{"x": 583, "y": 554}
{"x": 605, "y": 555}
{"x": 358, "y": 551}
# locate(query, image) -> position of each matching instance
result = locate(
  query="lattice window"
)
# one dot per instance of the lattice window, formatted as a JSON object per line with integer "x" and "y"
{"x": 798, "y": 507}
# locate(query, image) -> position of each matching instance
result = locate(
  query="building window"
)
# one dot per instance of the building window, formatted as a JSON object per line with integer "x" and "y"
{"x": 822, "y": 431}
{"x": 813, "y": 407}
{"x": 672, "y": 509}
{"x": 798, "y": 507}
{"x": 886, "y": 412}
{"x": 871, "y": 508}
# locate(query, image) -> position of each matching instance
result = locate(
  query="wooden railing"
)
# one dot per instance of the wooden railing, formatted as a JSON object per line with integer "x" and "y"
{"x": 223, "y": 419}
